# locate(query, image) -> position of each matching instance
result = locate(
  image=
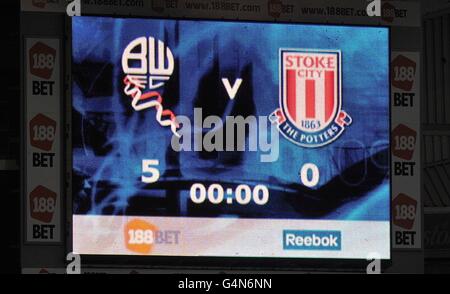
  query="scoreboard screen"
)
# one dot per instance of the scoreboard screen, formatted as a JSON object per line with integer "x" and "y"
{"x": 205, "y": 138}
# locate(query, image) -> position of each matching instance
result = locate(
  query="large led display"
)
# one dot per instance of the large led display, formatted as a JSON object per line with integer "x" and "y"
{"x": 230, "y": 139}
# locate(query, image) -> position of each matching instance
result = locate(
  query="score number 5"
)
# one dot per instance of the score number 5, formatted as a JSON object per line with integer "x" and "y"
{"x": 150, "y": 166}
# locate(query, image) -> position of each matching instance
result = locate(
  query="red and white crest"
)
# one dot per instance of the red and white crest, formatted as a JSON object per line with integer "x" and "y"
{"x": 311, "y": 88}
{"x": 311, "y": 97}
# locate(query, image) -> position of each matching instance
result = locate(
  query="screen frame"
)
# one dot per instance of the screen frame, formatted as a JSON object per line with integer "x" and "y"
{"x": 218, "y": 263}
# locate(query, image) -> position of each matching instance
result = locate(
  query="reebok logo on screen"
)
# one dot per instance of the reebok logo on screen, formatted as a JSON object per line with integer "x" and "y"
{"x": 311, "y": 240}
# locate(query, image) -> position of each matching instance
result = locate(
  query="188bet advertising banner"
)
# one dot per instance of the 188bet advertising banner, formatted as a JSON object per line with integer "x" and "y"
{"x": 393, "y": 13}
{"x": 211, "y": 138}
{"x": 405, "y": 148}
{"x": 43, "y": 155}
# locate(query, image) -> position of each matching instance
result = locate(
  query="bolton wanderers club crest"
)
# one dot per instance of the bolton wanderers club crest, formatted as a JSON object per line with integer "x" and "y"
{"x": 310, "y": 113}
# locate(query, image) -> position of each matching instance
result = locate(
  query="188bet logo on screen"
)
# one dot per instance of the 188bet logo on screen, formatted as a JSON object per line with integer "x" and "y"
{"x": 403, "y": 72}
{"x": 404, "y": 142}
{"x": 42, "y": 60}
{"x": 404, "y": 216}
{"x": 42, "y": 135}
{"x": 42, "y": 203}
{"x": 42, "y": 132}
{"x": 141, "y": 236}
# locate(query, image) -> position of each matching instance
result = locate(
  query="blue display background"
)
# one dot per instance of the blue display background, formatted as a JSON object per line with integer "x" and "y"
{"x": 236, "y": 46}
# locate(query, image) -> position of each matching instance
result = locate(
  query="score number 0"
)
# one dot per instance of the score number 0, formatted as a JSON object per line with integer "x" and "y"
{"x": 306, "y": 179}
